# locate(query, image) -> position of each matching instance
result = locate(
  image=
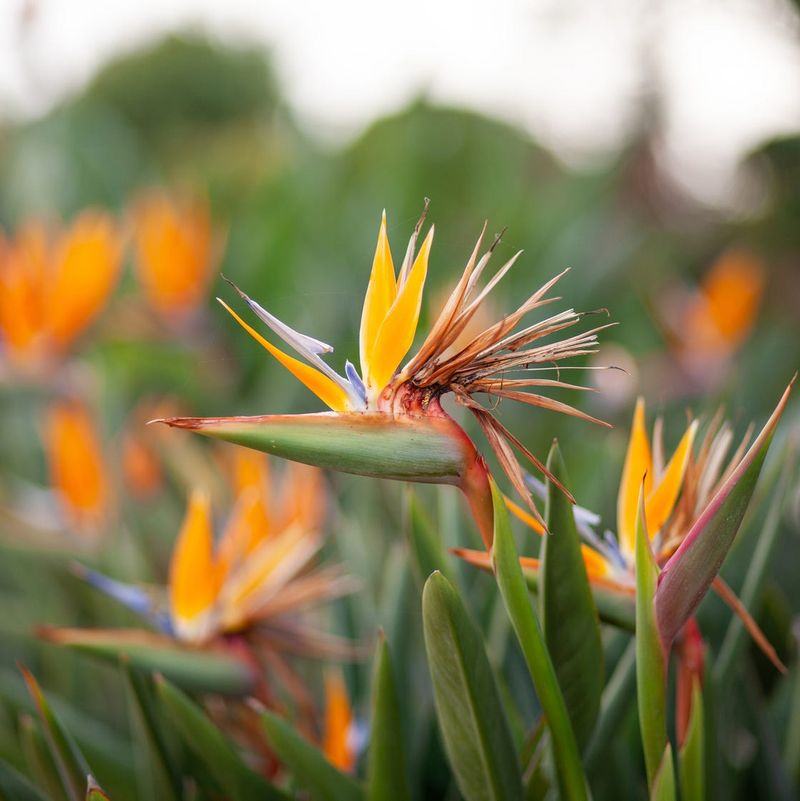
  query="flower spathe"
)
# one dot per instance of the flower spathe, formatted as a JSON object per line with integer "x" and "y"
{"x": 387, "y": 404}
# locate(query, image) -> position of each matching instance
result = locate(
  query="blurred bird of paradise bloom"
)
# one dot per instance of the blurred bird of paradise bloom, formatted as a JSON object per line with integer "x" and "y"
{"x": 337, "y": 736}
{"x": 677, "y": 495}
{"x": 53, "y": 284}
{"x": 708, "y": 324}
{"x": 387, "y": 419}
{"x": 256, "y": 576}
{"x": 79, "y": 473}
{"x": 175, "y": 252}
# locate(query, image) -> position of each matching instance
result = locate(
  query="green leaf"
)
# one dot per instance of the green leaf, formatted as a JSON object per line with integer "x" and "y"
{"x": 617, "y": 699}
{"x": 16, "y": 787}
{"x": 664, "y": 780}
{"x": 471, "y": 717}
{"x": 307, "y": 764}
{"x": 650, "y": 655}
{"x": 386, "y": 768}
{"x": 427, "y": 550}
{"x": 529, "y": 633}
{"x": 225, "y": 765}
{"x": 94, "y": 792}
{"x": 689, "y": 572}
{"x": 193, "y": 669}
{"x": 37, "y": 757}
{"x": 70, "y": 762}
{"x": 569, "y": 617}
{"x": 156, "y": 777}
{"x": 691, "y": 755}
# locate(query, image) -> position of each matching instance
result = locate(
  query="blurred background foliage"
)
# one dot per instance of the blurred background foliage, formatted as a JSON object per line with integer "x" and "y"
{"x": 295, "y": 222}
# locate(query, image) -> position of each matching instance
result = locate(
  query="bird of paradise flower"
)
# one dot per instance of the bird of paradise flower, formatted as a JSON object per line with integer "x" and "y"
{"x": 387, "y": 420}
{"x": 679, "y": 496}
{"x": 245, "y": 594}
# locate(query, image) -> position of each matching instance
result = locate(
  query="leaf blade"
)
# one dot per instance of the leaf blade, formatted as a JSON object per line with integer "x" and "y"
{"x": 569, "y": 617}
{"x": 472, "y": 720}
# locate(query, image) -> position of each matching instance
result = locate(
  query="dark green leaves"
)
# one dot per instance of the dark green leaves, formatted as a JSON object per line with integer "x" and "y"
{"x": 196, "y": 670}
{"x": 568, "y": 614}
{"x": 472, "y": 720}
{"x": 386, "y": 771}
{"x": 213, "y": 749}
{"x": 307, "y": 765}
{"x": 529, "y": 633}
{"x": 650, "y": 656}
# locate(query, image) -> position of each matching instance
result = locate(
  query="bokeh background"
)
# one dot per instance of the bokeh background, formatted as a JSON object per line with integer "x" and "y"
{"x": 653, "y": 148}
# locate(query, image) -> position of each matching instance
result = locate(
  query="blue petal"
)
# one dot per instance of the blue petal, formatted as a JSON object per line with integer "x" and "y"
{"x": 131, "y": 597}
{"x": 355, "y": 380}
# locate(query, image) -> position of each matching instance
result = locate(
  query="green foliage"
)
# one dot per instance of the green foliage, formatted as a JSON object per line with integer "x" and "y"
{"x": 471, "y": 718}
{"x": 531, "y": 640}
{"x": 309, "y": 766}
{"x": 691, "y": 756}
{"x": 651, "y": 665}
{"x": 569, "y": 618}
{"x": 386, "y": 770}
{"x": 211, "y": 746}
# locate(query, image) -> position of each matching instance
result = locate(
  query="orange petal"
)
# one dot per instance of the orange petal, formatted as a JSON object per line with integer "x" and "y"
{"x": 396, "y": 334}
{"x": 338, "y": 722}
{"x": 23, "y": 272}
{"x": 727, "y": 304}
{"x": 86, "y": 266}
{"x": 140, "y": 465}
{"x": 661, "y": 501}
{"x": 264, "y": 574}
{"x": 521, "y": 514}
{"x": 77, "y": 469}
{"x": 326, "y": 390}
{"x": 597, "y": 566}
{"x": 246, "y": 528}
{"x": 381, "y": 292}
{"x": 638, "y": 465}
{"x": 193, "y": 575}
{"x": 174, "y": 252}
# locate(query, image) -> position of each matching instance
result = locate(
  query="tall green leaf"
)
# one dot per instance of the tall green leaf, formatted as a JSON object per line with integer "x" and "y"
{"x": 193, "y": 669}
{"x": 529, "y": 633}
{"x": 691, "y": 755}
{"x": 650, "y": 656}
{"x": 16, "y": 787}
{"x": 386, "y": 768}
{"x": 232, "y": 775}
{"x": 427, "y": 550}
{"x": 157, "y": 777}
{"x": 473, "y": 723}
{"x": 569, "y": 617}
{"x": 664, "y": 780}
{"x": 70, "y": 762}
{"x": 94, "y": 792}
{"x": 307, "y": 765}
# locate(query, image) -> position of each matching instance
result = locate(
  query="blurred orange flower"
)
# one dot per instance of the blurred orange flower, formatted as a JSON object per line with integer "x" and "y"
{"x": 174, "y": 252}
{"x": 53, "y": 286}
{"x": 709, "y": 323}
{"x": 78, "y": 472}
{"x": 337, "y": 740}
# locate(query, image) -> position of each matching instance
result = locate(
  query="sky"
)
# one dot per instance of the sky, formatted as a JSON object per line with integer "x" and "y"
{"x": 721, "y": 75}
